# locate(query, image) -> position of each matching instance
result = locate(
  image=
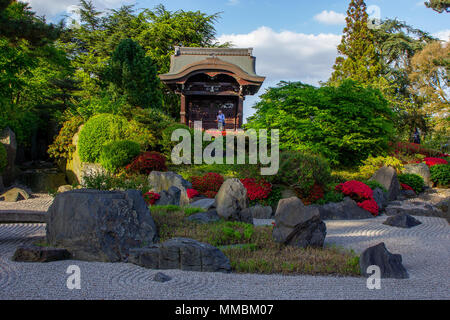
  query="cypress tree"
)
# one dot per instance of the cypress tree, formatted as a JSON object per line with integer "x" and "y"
{"x": 358, "y": 59}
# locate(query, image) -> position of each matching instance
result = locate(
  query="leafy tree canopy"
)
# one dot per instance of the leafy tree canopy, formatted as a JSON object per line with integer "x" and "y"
{"x": 344, "y": 123}
{"x": 439, "y": 5}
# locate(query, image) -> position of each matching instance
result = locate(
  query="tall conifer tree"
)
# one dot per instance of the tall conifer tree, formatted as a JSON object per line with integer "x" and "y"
{"x": 357, "y": 59}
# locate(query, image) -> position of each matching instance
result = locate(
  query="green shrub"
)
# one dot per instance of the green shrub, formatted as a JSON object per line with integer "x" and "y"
{"x": 188, "y": 211}
{"x": 3, "y": 158}
{"x": 301, "y": 171}
{"x": 372, "y": 164}
{"x": 62, "y": 147}
{"x": 413, "y": 180}
{"x": 374, "y": 184}
{"x": 167, "y": 144}
{"x": 118, "y": 153}
{"x": 104, "y": 128}
{"x": 331, "y": 196}
{"x": 440, "y": 174}
{"x": 107, "y": 181}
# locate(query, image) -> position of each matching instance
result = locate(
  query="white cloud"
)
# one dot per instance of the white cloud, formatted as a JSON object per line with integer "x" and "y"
{"x": 330, "y": 17}
{"x": 443, "y": 35}
{"x": 287, "y": 56}
{"x": 233, "y": 2}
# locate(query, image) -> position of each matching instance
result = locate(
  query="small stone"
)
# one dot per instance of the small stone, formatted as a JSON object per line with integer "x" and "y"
{"x": 205, "y": 217}
{"x": 40, "y": 254}
{"x": 161, "y": 277}
{"x": 390, "y": 264}
{"x": 64, "y": 188}
{"x": 402, "y": 220}
{"x": 14, "y": 194}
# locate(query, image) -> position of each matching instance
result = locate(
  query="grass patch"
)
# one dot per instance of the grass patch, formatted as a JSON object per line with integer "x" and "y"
{"x": 162, "y": 210}
{"x": 252, "y": 250}
{"x": 188, "y": 211}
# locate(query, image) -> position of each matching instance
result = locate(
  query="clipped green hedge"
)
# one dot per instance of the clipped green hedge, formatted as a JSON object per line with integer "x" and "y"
{"x": 413, "y": 180}
{"x": 3, "y": 158}
{"x": 117, "y": 154}
{"x": 440, "y": 174}
{"x": 104, "y": 128}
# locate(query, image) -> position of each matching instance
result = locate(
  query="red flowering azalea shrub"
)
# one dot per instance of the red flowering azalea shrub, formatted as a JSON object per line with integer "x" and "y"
{"x": 406, "y": 187}
{"x": 369, "y": 205}
{"x": 430, "y": 161}
{"x": 210, "y": 181}
{"x": 257, "y": 190}
{"x": 356, "y": 190}
{"x": 192, "y": 193}
{"x": 147, "y": 162}
{"x": 151, "y": 197}
{"x": 361, "y": 193}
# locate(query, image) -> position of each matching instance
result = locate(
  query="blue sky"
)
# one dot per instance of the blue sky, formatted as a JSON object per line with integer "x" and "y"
{"x": 292, "y": 39}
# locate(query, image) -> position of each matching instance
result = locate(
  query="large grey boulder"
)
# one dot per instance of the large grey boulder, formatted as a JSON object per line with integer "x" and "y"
{"x": 387, "y": 177}
{"x": 344, "y": 210}
{"x": 402, "y": 221}
{"x": 298, "y": 225}
{"x": 162, "y": 181}
{"x": 8, "y": 139}
{"x": 100, "y": 225}
{"x": 181, "y": 253}
{"x": 390, "y": 264}
{"x": 231, "y": 200}
{"x": 420, "y": 169}
{"x": 40, "y": 254}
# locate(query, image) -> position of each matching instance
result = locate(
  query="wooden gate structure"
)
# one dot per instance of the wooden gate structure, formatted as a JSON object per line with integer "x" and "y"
{"x": 212, "y": 79}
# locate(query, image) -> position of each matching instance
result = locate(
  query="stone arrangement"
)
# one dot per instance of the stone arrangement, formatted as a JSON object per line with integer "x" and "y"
{"x": 231, "y": 200}
{"x": 181, "y": 253}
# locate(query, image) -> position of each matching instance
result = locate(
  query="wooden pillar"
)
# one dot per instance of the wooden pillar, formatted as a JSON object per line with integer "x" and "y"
{"x": 240, "y": 112}
{"x": 183, "y": 109}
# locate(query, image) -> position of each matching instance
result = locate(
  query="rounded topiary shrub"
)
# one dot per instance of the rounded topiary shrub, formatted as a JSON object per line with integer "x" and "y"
{"x": 117, "y": 154}
{"x": 3, "y": 158}
{"x": 301, "y": 171}
{"x": 440, "y": 174}
{"x": 147, "y": 162}
{"x": 413, "y": 180}
{"x": 97, "y": 131}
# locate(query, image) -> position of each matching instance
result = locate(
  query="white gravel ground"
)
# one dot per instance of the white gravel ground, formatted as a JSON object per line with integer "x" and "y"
{"x": 425, "y": 250}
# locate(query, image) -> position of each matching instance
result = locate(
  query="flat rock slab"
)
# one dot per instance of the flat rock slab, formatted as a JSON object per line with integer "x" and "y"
{"x": 181, "y": 253}
{"x": 344, "y": 210}
{"x": 402, "y": 221}
{"x": 390, "y": 264}
{"x": 40, "y": 254}
{"x": 414, "y": 208}
{"x": 206, "y": 203}
{"x": 22, "y": 216}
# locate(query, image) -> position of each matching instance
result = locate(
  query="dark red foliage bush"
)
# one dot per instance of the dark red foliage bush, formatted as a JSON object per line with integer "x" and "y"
{"x": 210, "y": 181}
{"x": 430, "y": 161}
{"x": 147, "y": 162}
{"x": 210, "y": 194}
{"x": 406, "y": 187}
{"x": 257, "y": 190}
{"x": 151, "y": 197}
{"x": 192, "y": 193}
{"x": 369, "y": 205}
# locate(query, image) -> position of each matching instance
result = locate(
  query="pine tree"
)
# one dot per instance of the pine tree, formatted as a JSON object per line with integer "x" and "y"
{"x": 358, "y": 58}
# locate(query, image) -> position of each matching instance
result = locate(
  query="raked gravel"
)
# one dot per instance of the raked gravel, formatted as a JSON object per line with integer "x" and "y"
{"x": 425, "y": 250}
